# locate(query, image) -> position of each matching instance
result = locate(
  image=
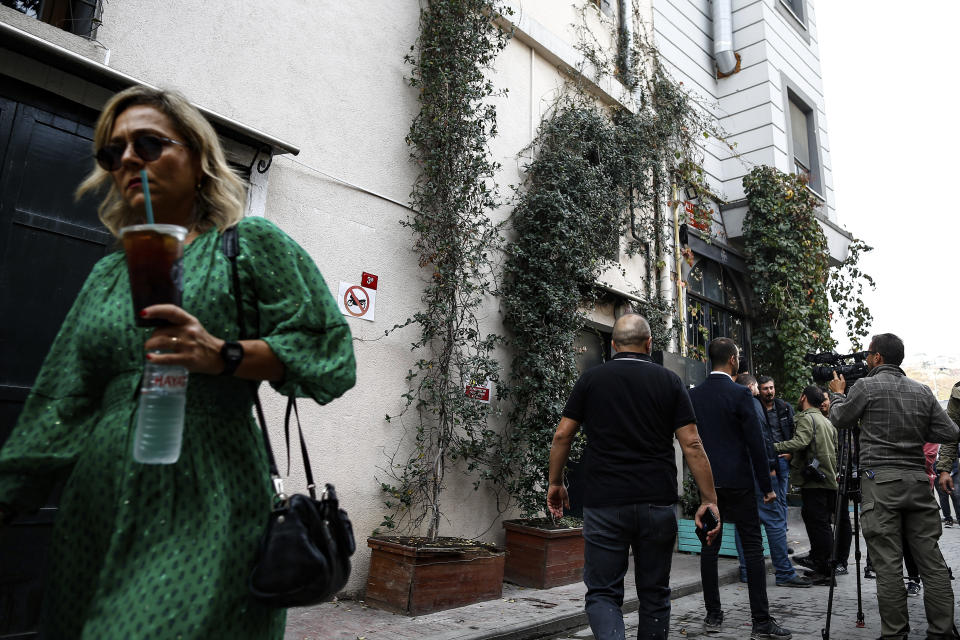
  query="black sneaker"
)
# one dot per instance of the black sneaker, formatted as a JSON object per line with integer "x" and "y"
{"x": 804, "y": 561}
{"x": 869, "y": 574}
{"x": 913, "y": 589}
{"x": 948, "y": 522}
{"x": 821, "y": 580}
{"x": 769, "y": 629}
{"x": 841, "y": 570}
{"x": 713, "y": 623}
{"x": 795, "y": 581}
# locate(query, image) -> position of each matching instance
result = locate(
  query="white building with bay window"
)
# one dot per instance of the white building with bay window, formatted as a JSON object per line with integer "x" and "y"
{"x": 312, "y": 103}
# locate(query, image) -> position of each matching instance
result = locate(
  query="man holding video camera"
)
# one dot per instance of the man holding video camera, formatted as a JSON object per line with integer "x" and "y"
{"x": 897, "y": 417}
{"x": 814, "y": 471}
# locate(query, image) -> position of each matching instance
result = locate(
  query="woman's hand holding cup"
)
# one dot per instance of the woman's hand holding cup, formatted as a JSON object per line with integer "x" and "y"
{"x": 183, "y": 342}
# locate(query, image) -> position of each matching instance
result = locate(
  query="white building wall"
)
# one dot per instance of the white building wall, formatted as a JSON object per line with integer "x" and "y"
{"x": 749, "y": 105}
{"x": 330, "y": 79}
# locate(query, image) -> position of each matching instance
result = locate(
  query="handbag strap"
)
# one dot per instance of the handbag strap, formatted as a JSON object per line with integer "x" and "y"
{"x": 231, "y": 249}
{"x": 812, "y": 447}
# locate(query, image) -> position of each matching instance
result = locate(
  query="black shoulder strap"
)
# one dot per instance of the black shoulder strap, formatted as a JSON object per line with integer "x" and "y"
{"x": 231, "y": 249}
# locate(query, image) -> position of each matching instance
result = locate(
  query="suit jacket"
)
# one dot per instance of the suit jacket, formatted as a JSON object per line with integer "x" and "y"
{"x": 731, "y": 433}
{"x": 772, "y": 457}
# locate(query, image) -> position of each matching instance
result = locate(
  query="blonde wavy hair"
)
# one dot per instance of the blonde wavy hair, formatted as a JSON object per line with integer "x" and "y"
{"x": 221, "y": 194}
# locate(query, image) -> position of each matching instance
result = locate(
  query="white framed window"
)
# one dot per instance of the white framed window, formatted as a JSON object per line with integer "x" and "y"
{"x": 800, "y": 137}
{"x": 803, "y": 140}
{"x": 798, "y": 9}
{"x": 794, "y": 12}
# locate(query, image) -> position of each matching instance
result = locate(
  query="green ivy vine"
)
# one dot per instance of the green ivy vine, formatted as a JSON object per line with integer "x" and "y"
{"x": 846, "y": 287}
{"x": 595, "y": 176}
{"x": 457, "y": 243}
{"x": 788, "y": 262}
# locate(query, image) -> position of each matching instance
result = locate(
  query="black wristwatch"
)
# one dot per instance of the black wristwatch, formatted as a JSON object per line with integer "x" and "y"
{"x": 232, "y": 354}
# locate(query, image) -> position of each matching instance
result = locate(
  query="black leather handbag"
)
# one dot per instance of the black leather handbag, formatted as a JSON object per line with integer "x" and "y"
{"x": 304, "y": 556}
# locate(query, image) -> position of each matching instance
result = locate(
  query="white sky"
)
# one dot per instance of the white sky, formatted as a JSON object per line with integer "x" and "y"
{"x": 890, "y": 84}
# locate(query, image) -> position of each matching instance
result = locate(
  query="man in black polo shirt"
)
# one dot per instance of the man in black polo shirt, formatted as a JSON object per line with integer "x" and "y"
{"x": 630, "y": 409}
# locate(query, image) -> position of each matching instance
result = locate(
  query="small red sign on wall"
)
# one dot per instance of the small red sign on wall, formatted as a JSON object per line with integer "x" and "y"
{"x": 693, "y": 221}
{"x": 478, "y": 392}
{"x": 368, "y": 281}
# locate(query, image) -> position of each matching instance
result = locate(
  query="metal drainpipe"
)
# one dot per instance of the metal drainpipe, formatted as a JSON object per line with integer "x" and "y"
{"x": 723, "y": 36}
{"x": 678, "y": 266}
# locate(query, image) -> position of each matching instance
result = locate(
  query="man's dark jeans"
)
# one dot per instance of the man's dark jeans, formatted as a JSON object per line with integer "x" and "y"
{"x": 817, "y": 512}
{"x": 609, "y": 533}
{"x": 738, "y": 506}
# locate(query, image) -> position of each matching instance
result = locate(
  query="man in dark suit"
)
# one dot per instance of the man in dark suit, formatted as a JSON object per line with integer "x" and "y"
{"x": 731, "y": 434}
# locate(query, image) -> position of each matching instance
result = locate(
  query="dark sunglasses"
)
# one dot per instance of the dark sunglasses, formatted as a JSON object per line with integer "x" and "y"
{"x": 147, "y": 146}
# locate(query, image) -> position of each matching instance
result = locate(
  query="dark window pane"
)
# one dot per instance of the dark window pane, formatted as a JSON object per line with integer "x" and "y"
{"x": 695, "y": 279}
{"x": 716, "y": 323}
{"x": 76, "y": 16}
{"x": 696, "y": 340}
{"x": 799, "y": 130}
{"x": 27, "y": 7}
{"x": 712, "y": 287}
{"x": 730, "y": 293}
{"x": 590, "y": 349}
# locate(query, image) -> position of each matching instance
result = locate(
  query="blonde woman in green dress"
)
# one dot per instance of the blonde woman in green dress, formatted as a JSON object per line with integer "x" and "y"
{"x": 164, "y": 551}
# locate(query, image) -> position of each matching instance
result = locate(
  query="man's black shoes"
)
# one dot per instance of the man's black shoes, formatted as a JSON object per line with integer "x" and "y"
{"x": 713, "y": 622}
{"x": 795, "y": 581}
{"x": 769, "y": 630}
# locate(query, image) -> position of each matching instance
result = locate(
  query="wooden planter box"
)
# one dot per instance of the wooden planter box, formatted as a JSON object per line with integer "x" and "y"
{"x": 543, "y": 558}
{"x": 416, "y": 580}
{"x": 687, "y": 539}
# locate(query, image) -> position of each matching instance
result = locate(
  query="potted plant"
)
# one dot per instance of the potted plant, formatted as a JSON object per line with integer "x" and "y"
{"x": 415, "y": 576}
{"x": 455, "y": 241}
{"x": 544, "y": 552}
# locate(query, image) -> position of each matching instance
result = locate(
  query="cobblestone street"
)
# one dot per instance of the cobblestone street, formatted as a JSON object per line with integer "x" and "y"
{"x": 802, "y": 611}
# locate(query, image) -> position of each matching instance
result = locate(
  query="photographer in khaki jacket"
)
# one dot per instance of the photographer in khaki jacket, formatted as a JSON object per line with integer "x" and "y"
{"x": 897, "y": 416}
{"x": 814, "y": 441}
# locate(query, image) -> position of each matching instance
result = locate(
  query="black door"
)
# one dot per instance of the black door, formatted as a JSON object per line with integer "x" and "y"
{"x": 48, "y": 244}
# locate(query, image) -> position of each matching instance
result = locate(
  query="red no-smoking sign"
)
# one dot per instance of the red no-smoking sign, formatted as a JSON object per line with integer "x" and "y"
{"x": 356, "y": 301}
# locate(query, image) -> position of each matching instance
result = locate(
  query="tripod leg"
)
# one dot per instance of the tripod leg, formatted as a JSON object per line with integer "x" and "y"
{"x": 840, "y": 504}
{"x": 857, "y": 497}
{"x": 856, "y": 542}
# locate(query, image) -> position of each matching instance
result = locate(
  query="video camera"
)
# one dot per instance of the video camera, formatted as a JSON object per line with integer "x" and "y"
{"x": 824, "y": 365}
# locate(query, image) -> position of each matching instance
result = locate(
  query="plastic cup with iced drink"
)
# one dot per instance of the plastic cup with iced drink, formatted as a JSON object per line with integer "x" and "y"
{"x": 155, "y": 266}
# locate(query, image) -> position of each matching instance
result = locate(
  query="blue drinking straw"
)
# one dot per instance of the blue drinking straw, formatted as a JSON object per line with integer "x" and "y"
{"x": 146, "y": 195}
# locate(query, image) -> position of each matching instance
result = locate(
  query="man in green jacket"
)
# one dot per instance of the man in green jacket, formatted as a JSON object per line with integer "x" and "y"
{"x": 815, "y": 439}
{"x": 948, "y": 451}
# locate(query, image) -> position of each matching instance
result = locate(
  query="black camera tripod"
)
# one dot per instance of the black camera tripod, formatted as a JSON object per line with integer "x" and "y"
{"x": 849, "y": 492}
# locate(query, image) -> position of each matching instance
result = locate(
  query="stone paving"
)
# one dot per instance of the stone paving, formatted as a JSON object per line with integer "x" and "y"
{"x": 802, "y": 611}
{"x": 520, "y": 614}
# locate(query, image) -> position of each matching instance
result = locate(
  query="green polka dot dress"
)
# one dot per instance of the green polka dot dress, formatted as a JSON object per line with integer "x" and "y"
{"x": 164, "y": 551}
